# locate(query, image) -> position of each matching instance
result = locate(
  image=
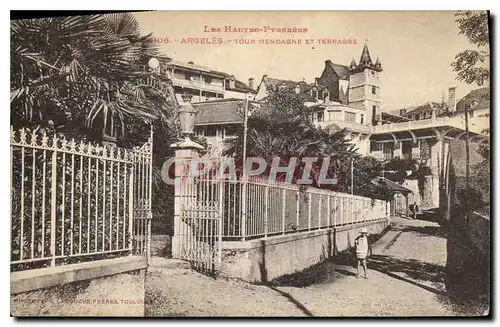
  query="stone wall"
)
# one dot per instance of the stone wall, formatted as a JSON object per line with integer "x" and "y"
{"x": 120, "y": 295}
{"x": 267, "y": 259}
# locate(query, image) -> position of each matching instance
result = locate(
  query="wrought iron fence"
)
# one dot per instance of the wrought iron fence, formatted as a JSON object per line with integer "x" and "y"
{"x": 274, "y": 209}
{"x": 75, "y": 201}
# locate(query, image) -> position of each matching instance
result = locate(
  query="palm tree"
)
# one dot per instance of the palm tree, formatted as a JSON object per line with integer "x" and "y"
{"x": 83, "y": 72}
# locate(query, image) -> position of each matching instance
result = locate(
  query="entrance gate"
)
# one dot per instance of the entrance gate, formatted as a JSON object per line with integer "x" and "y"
{"x": 400, "y": 205}
{"x": 201, "y": 227}
{"x": 141, "y": 192}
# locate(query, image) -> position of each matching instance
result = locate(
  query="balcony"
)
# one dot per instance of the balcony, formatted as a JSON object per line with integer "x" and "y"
{"x": 454, "y": 122}
{"x": 197, "y": 85}
{"x": 350, "y": 126}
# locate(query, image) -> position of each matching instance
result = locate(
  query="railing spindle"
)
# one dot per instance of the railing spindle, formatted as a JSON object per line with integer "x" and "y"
{"x": 53, "y": 198}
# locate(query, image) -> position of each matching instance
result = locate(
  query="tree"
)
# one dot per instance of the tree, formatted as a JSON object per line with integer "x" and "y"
{"x": 365, "y": 169}
{"x": 77, "y": 74}
{"x": 469, "y": 64}
{"x": 281, "y": 127}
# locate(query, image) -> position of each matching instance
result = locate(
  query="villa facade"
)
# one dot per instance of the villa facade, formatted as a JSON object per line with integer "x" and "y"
{"x": 204, "y": 83}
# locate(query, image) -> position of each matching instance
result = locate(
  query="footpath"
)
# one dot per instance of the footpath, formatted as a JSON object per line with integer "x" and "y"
{"x": 405, "y": 278}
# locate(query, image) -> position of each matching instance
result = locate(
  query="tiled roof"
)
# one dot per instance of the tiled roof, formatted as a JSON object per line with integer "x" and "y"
{"x": 221, "y": 111}
{"x": 387, "y": 183}
{"x": 275, "y": 82}
{"x": 482, "y": 96}
{"x": 387, "y": 116}
{"x": 240, "y": 87}
{"x": 397, "y": 112}
{"x": 343, "y": 72}
{"x": 304, "y": 87}
{"x": 440, "y": 108}
{"x": 195, "y": 67}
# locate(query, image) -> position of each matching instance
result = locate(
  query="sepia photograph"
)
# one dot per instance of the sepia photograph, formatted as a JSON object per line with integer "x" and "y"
{"x": 250, "y": 164}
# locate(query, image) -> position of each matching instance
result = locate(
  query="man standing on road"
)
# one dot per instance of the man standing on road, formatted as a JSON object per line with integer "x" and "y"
{"x": 362, "y": 247}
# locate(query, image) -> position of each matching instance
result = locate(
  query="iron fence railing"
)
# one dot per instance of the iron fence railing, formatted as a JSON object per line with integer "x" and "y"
{"x": 274, "y": 209}
{"x": 74, "y": 201}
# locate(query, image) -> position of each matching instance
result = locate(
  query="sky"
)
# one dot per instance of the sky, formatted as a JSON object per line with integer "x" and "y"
{"x": 415, "y": 48}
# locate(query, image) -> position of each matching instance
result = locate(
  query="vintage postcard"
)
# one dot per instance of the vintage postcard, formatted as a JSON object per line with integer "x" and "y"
{"x": 250, "y": 164}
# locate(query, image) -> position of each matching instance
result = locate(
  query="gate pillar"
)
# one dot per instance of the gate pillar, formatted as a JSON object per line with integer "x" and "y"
{"x": 185, "y": 152}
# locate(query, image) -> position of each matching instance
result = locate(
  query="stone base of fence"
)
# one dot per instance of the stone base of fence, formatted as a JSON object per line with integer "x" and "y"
{"x": 29, "y": 280}
{"x": 265, "y": 259}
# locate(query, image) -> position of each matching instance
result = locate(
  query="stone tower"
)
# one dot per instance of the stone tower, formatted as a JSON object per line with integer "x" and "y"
{"x": 364, "y": 85}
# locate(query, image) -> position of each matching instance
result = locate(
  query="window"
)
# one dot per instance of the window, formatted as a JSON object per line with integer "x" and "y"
{"x": 406, "y": 149}
{"x": 374, "y": 146}
{"x": 320, "y": 116}
{"x": 335, "y": 115}
{"x": 362, "y": 121}
{"x": 374, "y": 90}
{"x": 350, "y": 117}
{"x": 388, "y": 151}
{"x": 314, "y": 93}
{"x": 325, "y": 95}
{"x": 231, "y": 130}
{"x": 210, "y": 131}
{"x": 198, "y": 131}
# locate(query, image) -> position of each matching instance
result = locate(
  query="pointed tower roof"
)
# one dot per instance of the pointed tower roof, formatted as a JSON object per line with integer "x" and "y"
{"x": 365, "y": 62}
{"x": 365, "y": 56}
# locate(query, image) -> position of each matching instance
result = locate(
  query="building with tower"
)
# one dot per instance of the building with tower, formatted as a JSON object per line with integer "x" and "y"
{"x": 343, "y": 97}
{"x": 349, "y": 98}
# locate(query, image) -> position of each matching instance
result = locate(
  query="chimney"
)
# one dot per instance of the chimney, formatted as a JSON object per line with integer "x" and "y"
{"x": 452, "y": 99}
{"x": 433, "y": 110}
{"x": 316, "y": 81}
{"x": 251, "y": 83}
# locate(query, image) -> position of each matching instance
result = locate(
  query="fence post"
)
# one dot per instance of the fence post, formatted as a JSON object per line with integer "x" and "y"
{"x": 131, "y": 209}
{"x": 342, "y": 211}
{"x": 328, "y": 210}
{"x": 244, "y": 208}
{"x": 335, "y": 212}
{"x": 309, "y": 211}
{"x": 220, "y": 222}
{"x": 53, "y": 211}
{"x": 266, "y": 209}
{"x": 283, "y": 209}
{"x": 298, "y": 209}
{"x": 320, "y": 201}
